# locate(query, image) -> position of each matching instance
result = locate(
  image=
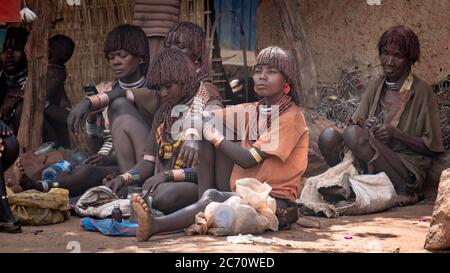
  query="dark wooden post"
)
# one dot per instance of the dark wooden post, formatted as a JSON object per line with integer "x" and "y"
{"x": 31, "y": 123}
{"x": 294, "y": 35}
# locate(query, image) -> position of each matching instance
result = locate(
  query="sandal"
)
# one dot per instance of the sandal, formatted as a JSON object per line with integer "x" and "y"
{"x": 10, "y": 227}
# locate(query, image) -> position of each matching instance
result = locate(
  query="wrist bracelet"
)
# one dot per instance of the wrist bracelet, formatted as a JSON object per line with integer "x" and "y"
{"x": 98, "y": 101}
{"x": 192, "y": 131}
{"x": 178, "y": 175}
{"x": 217, "y": 140}
{"x": 91, "y": 129}
{"x": 256, "y": 155}
{"x": 190, "y": 175}
{"x": 135, "y": 177}
{"x": 149, "y": 158}
{"x": 126, "y": 178}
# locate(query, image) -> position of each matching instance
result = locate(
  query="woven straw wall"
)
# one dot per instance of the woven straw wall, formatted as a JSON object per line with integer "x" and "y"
{"x": 88, "y": 26}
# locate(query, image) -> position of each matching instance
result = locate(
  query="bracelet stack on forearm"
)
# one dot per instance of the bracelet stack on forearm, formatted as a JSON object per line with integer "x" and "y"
{"x": 99, "y": 101}
{"x": 149, "y": 158}
{"x": 182, "y": 175}
{"x": 107, "y": 146}
{"x": 256, "y": 155}
{"x": 130, "y": 177}
{"x": 192, "y": 132}
{"x": 212, "y": 135}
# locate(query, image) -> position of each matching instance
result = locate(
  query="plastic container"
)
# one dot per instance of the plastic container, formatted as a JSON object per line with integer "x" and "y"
{"x": 77, "y": 158}
{"x": 52, "y": 173}
{"x": 116, "y": 214}
{"x": 45, "y": 148}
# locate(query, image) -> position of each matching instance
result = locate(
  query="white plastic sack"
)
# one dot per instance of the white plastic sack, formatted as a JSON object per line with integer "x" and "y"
{"x": 252, "y": 212}
{"x": 373, "y": 193}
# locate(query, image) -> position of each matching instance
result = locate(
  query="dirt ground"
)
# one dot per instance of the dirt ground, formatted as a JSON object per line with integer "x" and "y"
{"x": 396, "y": 230}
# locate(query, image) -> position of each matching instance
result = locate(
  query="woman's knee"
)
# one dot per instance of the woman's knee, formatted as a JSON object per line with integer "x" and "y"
{"x": 355, "y": 137}
{"x": 329, "y": 138}
{"x": 169, "y": 199}
{"x": 329, "y": 143}
{"x": 211, "y": 195}
{"x": 162, "y": 201}
{"x": 126, "y": 121}
{"x": 118, "y": 106}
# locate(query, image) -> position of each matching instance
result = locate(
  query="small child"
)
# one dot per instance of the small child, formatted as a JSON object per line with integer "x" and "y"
{"x": 57, "y": 105}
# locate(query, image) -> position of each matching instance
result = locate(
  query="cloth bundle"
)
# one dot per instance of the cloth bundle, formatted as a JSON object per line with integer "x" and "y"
{"x": 37, "y": 208}
{"x": 99, "y": 202}
{"x": 372, "y": 193}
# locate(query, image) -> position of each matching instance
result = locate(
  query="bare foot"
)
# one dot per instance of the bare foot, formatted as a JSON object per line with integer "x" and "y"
{"x": 18, "y": 170}
{"x": 142, "y": 211}
{"x": 24, "y": 181}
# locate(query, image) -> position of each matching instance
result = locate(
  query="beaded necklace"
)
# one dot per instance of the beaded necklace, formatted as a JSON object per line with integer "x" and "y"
{"x": 167, "y": 146}
{"x": 254, "y": 132}
{"x": 137, "y": 84}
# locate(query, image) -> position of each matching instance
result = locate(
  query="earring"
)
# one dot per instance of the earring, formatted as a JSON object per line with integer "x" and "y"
{"x": 286, "y": 89}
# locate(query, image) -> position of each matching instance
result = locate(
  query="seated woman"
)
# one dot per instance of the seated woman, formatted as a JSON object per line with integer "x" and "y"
{"x": 9, "y": 150}
{"x": 396, "y": 126}
{"x": 273, "y": 149}
{"x": 172, "y": 182}
{"x": 126, "y": 50}
{"x": 128, "y": 132}
{"x": 127, "y": 105}
{"x": 13, "y": 77}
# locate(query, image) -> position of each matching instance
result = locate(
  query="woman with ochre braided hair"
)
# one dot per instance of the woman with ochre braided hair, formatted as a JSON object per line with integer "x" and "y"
{"x": 174, "y": 77}
{"x": 273, "y": 149}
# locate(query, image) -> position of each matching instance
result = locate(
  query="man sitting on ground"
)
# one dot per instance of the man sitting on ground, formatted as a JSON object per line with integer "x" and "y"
{"x": 396, "y": 127}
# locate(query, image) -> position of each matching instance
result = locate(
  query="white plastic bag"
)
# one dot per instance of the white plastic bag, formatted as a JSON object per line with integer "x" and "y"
{"x": 252, "y": 212}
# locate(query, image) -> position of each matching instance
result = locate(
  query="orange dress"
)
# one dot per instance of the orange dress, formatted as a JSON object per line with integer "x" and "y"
{"x": 287, "y": 145}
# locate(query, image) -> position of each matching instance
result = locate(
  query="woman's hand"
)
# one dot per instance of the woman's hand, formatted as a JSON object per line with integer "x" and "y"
{"x": 189, "y": 152}
{"x": 152, "y": 183}
{"x": 370, "y": 123}
{"x": 384, "y": 132}
{"x": 7, "y": 108}
{"x": 78, "y": 115}
{"x": 116, "y": 184}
